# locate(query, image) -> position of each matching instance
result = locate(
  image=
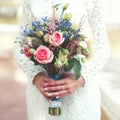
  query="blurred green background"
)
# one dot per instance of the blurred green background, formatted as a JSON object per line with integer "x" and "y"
{"x": 13, "y": 80}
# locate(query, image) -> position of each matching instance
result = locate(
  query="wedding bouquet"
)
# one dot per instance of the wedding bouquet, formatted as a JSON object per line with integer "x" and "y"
{"x": 54, "y": 42}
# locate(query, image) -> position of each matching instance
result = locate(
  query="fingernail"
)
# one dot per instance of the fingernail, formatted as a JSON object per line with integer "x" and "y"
{"x": 49, "y": 94}
{"x": 57, "y": 97}
{"x": 46, "y": 84}
{"x": 45, "y": 89}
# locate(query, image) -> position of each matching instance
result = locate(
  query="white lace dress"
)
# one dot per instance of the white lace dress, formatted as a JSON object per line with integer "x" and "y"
{"x": 83, "y": 104}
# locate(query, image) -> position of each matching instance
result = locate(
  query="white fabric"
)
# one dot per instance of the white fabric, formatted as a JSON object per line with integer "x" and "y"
{"x": 84, "y": 104}
{"x": 110, "y": 88}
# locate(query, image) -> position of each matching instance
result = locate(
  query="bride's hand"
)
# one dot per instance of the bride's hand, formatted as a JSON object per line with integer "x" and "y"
{"x": 41, "y": 80}
{"x": 63, "y": 87}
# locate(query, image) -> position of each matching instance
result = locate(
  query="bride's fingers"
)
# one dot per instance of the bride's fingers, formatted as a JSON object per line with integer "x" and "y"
{"x": 59, "y": 91}
{"x": 48, "y": 80}
{"x": 55, "y": 88}
{"x": 57, "y": 83}
{"x": 42, "y": 91}
{"x": 56, "y": 94}
{"x": 44, "y": 82}
{"x": 44, "y": 94}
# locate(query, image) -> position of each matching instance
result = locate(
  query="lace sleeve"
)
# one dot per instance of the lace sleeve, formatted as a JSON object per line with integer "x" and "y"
{"x": 95, "y": 18}
{"x": 28, "y": 66}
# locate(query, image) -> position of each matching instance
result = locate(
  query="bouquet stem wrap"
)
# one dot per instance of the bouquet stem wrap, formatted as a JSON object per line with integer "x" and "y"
{"x": 55, "y": 105}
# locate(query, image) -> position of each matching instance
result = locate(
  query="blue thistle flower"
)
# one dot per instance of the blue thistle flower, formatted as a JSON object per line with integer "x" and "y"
{"x": 65, "y": 25}
{"x": 32, "y": 32}
{"x": 68, "y": 25}
{"x": 28, "y": 32}
{"x": 36, "y": 24}
{"x": 45, "y": 19}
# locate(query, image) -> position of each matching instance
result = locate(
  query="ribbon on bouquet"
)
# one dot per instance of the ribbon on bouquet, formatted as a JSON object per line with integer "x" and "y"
{"x": 55, "y": 104}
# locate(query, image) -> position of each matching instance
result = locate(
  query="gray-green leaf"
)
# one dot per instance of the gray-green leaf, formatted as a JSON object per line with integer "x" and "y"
{"x": 75, "y": 65}
{"x": 77, "y": 68}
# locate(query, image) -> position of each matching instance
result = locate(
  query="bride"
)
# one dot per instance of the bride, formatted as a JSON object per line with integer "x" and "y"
{"x": 78, "y": 102}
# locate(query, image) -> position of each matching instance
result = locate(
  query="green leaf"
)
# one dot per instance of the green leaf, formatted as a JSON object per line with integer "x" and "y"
{"x": 70, "y": 65}
{"x": 77, "y": 68}
{"x": 85, "y": 50}
{"x": 75, "y": 65}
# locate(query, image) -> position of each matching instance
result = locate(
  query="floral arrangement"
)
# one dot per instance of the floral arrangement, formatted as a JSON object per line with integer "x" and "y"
{"x": 54, "y": 42}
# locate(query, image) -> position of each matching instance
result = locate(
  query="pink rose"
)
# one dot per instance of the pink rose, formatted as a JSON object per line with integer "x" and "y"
{"x": 56, "y": 39}
{"x": 26, "y": 52}
{"x": 43, "y": 55}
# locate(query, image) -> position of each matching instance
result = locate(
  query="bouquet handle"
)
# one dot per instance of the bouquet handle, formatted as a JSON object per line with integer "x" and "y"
{"x": 55, "y": 105}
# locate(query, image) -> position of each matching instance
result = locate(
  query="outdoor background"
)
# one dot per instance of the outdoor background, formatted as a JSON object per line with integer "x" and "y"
{"x": 13, "y": 81}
